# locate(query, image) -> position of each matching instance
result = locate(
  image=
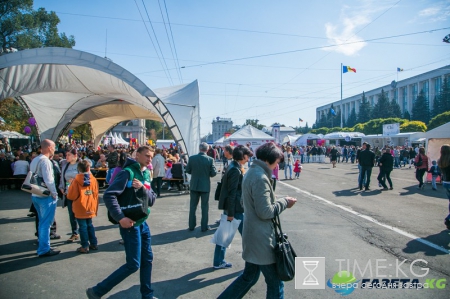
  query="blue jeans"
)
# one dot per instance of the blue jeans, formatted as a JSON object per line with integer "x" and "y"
{"x": 219, "y": 252}
{"x": 360, "y": 176}
{"x": 242, "y": 284}
{"x": 447, "y": 190}
{"x": 138, "y": 252}
{"x": 45, "y": 208}
{"x": 109, "y": 174}
{"x": 72, "y": 220}
{"x": 87, "y": 232}
{"x": 285, "y": 171}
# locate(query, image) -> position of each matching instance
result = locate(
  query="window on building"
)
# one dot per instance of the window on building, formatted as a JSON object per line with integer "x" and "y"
{"x": 405, "y": 98}
{"x": 414, "y": 92}
{"x": 425, "y": 89}
{"x": 437, "y": 85}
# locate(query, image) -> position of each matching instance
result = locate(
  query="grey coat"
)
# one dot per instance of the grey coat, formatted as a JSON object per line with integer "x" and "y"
{"x": 258, "y": 237}
{"x": 201, "y": 168}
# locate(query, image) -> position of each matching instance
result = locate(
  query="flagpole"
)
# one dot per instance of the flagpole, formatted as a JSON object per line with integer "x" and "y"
{"x": 341, "y": 98}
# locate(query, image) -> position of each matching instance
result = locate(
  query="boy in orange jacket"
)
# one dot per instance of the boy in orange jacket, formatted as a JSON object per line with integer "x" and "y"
{"x": 83, "y": 191}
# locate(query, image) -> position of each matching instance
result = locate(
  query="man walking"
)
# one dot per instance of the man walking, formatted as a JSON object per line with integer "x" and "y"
{"x": 367, "y": 161}
{"x": 201, "y": 168}
{"x": 135, "y": 234}
{"x": 45, "y": 205}
{"x": 159, "y": 171}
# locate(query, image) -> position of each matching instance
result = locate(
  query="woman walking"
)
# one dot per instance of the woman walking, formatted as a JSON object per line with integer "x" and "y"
{"x": 289, "y": 161}
{"x": 444, "y": 165}
{"x": 333, "y": 156}
{"x": 69, "y": 169}
{"x": 421, "y": 163}
{"x": 258, "y": 240}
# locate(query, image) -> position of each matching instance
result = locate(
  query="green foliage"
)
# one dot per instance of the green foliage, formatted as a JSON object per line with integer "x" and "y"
{"x": 351, "y": 121}
{"x": 375, "y": 126}
{"x": 382, "y": 108}
{"x": 364, "y": 114}
{"x": 322, "y": 130}
{"x": 254, "y": 123}
{"x": 439, "y": 120}
{"x": 406, "y": 115}
{"x": 154, "y": 130}
{"x": 21, "y": 27}
{"x": 15, "y": 117}
{"x": 413, "y": 126}
{"x": 441, "y": 103}
{"x": 421, "y": 108}
{"x": 395, "y": 109}
{"x": 82, "y": 132}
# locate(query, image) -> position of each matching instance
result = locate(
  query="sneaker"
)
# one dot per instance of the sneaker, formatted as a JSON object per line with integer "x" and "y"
{"x": 384, "y": 189}
{"x": 391, "y": 188}
{"x": 51, "y": 252}
{"x": 169, "y": 188}
{"x": 434, "y": 189}
{"x": 91, "y": 294}
{"x": 73, "y": 238}
{"x": 224, "y": 265}
{"x": 379, "y": 184}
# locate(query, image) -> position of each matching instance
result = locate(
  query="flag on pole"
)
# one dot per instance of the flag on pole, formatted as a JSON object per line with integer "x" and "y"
{"x": 346, "y": 69}
{"x": 399, "y": 69}
{"x": 332, "y": 111}
{"x": 301, "y": 120}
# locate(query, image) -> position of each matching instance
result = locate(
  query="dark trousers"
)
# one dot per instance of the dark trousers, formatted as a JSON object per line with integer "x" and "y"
{"x": 419, "y": 175}
{"x": 195, "y": 198}
{"x": 156, "y": 185}
{"x": 366, "y": 172}
{"x": 383, "y": 176}
{"x": 72, "y": 220}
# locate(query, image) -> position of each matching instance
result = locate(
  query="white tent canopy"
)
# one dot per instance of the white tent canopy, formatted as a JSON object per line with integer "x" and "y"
{"x": 12, "y": 134}
{"x": 291, "y": 138}
{"x": 303, "y": 140}
{"x": 435, "y": 139}
{"x": 63, "y": 88}
{"x": 343, "y": 135}
{"x": 249, "y": 134}
{"x": 219, "y": 141}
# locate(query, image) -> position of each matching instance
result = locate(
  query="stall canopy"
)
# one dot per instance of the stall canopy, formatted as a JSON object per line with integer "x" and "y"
{"x": 13, "y": 135}
{"x": 63, "y": 88}
{"x": 435, "y": 139}
{"x": 303, "y": 140}
{"x": 343, "y": 135}
{"x": 291, "y": 138}
{"x": 219, "y": 141}
{"x": 249, "y": 134}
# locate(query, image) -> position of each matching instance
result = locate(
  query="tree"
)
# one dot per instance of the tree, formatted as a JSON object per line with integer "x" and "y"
{"x": 351, "y": 120}
{"x": 82, "y": 132}
{"x": 406, "y": 115}
{"x": 421, "y": 110}
{"x": 395, "y": 109}
{"x": 21, "y": 27}
{"x": 442, "y": 101}
{"x": 155, "y": 130}
{"x": 382, "y": 108}
{"x": 364, "y": 110}
{"x": 254, "y": 123}
{"x": 439, "y": 120}
{"x": 15, "y": 117}
{"x": 413, "y": 126}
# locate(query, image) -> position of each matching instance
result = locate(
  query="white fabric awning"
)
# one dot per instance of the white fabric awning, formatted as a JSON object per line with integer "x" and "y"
{"x": 62, "y": 88}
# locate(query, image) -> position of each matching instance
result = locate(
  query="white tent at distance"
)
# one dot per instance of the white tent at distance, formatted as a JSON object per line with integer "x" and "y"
{"x": 249, "y": 134}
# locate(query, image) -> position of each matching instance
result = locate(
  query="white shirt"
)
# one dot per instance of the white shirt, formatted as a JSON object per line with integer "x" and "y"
{"x": 21, "y": 167}
{"x": 46, "y": 172}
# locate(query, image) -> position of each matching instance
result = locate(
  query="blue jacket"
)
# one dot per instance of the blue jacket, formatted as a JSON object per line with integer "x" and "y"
{"x": 117, "y": 187}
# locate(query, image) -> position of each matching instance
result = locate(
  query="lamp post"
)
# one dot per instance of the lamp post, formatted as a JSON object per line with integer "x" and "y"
{"x": 164, "y": 126}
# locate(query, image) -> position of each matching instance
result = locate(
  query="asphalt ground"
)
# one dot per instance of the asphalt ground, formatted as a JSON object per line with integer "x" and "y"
{"x": 373, "y": 230}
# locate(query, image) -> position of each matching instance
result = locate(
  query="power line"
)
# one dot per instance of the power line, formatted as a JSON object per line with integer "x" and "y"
{"x": 154, "y": 47}
{"x": 173, "y": 42}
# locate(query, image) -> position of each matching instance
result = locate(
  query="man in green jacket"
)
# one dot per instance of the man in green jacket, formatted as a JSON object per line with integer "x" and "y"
{"x": 201, "y": 168}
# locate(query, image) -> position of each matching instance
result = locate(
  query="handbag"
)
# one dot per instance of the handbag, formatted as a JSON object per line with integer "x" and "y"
{"x": 284, "y": 253}
{"x": 420, "y": 162}
{"x": 133, "y": 202}
{"x": 35, "y": 184}
{"x": 218, "y": 189}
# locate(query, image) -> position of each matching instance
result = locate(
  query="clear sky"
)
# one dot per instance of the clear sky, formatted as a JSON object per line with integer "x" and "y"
{"x": 275, "y": 61}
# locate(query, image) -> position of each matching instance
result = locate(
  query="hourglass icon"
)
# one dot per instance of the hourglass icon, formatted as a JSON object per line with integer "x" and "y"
{"x": 310, "y": 279}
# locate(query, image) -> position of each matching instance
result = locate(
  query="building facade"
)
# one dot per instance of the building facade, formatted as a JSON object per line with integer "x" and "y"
{"x": 134, "y": 128}
{"x": 220, "y": 126}
{"x": 405, "y": 93}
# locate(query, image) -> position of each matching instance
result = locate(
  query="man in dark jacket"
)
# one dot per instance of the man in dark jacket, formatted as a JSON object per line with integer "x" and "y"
{"x": 135, "y": 233}
{"x": 230, "y": 198}
{"x": 386, "y": 164}
{"x": 112, "y": 160}
{"x": 367, "y": 161}
{"x": 201, "y": 168}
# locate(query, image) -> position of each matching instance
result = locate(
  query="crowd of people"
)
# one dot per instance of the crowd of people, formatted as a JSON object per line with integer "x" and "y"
{"x": 246, "y": 194}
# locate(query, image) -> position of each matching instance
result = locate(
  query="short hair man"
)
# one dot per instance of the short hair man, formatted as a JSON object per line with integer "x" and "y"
{"x": 135, "y": 234}
{"x": 367, "y": 161}
{"x": 45, "y": 205}
{"x": 202, "y": 168}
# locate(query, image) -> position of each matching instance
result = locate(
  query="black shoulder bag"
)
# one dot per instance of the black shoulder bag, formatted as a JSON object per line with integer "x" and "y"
{"x": 284, "y": 253}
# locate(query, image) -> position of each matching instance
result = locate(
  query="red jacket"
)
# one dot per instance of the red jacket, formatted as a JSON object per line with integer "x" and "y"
{"x": 424, "y": 161}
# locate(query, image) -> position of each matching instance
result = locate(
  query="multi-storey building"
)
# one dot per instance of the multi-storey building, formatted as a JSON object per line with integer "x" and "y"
{"x": 134, "y": 128}
{"x": 220, "y": 126}
{"x": 405, "y": 92}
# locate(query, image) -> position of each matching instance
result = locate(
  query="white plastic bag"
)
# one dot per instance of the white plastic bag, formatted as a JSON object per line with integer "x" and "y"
{"x": 226, "y": 231}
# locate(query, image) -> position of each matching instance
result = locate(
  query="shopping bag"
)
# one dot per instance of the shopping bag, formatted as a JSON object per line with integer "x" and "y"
{"x": 226, "y": 231}
{"x": 35, "y": 184}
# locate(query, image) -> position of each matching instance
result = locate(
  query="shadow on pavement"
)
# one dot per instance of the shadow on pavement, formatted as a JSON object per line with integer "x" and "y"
{"x": 178, "y": 286}
{"x": 179, "y": 235}
{"x": 347, "y": 192}
{"x": 426, "y": 192}
{"x": 441, "y": 239}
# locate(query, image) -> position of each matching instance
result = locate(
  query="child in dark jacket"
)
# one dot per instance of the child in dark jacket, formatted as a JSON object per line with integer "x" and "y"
{"x": 84, "y": 192}
{"x": 435, "y": 172}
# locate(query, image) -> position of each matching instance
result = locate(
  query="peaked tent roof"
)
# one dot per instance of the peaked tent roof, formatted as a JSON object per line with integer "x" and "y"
{"x": 442, "y": 131}
{"x": 59, "y": 85}
{"x": 250, "y": 133}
